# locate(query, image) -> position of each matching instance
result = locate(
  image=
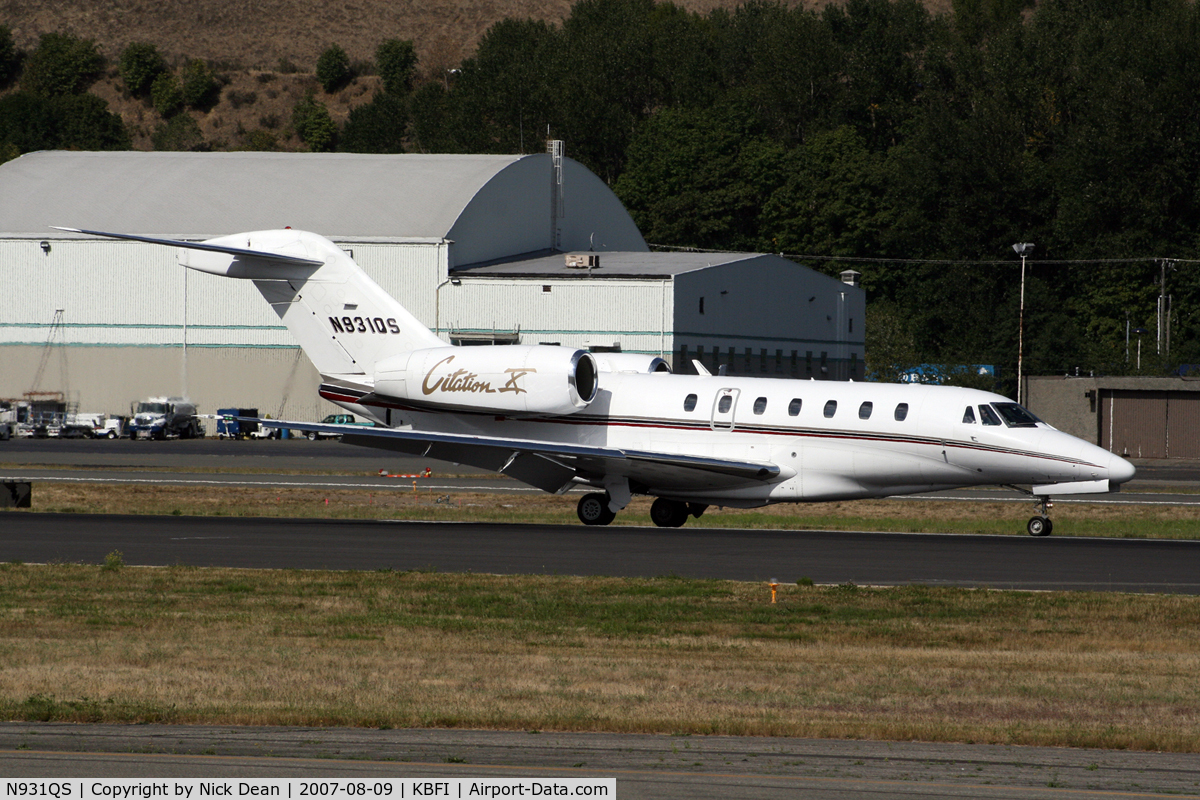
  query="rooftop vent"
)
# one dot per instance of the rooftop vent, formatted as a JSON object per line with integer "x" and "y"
{"x": 583, "y": 260}
{"x": 851, "y": 277}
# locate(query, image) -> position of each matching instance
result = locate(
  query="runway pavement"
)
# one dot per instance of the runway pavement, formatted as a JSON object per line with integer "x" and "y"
{"x": 829, "y": 557}
{"x": 644, "y": 766}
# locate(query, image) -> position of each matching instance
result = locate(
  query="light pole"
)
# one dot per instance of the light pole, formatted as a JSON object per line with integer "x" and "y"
{"x": 1023, "y": 249}
{"x": 1138, "y": 332}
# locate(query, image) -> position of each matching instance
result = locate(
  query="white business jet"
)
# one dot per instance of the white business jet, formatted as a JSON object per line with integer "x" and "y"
{"x": 554, "y": 418}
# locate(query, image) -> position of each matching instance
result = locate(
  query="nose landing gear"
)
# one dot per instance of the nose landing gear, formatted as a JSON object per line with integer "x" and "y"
{"x": 1041, "y": 525}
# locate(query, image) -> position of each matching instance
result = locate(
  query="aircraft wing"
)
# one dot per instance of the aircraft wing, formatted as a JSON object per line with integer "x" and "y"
{"x": 550, "y": 466}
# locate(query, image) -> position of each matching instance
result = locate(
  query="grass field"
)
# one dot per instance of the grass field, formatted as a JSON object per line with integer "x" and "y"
{"x": 387, "y": 649}
{"x": 111, "y": 643}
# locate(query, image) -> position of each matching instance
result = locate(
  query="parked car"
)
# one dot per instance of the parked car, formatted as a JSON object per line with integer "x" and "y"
{"x": 336, "y": 419}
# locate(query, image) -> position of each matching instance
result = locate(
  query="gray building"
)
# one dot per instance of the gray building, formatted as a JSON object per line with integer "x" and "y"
{"x": 476, "y": 247}
{"x": 1132, "y": 417}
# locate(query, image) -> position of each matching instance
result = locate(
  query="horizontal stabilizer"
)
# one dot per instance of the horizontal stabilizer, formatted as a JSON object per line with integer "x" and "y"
{"x": 1074, "y": 487}
{"x": 211, "y": 248}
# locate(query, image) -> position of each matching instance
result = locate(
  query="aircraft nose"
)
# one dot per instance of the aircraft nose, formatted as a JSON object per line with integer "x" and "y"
{"x": 1119, "y": 470}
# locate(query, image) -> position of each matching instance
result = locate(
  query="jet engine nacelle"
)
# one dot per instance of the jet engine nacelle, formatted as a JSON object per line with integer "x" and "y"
{"x": 630, "y": 362}
{"x": 509, "y": 379}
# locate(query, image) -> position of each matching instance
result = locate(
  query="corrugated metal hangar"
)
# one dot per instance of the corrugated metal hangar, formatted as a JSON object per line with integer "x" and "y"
{"x": 482, "y": 249}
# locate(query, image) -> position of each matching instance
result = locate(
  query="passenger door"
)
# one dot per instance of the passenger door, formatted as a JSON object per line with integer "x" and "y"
{"x": 724, "y": 406}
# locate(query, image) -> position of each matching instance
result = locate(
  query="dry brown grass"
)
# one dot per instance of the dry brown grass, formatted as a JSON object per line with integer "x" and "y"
{"x": 666, "y": 655}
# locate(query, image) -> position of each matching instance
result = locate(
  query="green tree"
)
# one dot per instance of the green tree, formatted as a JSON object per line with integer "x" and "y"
{"x": 432, "y": 127}
{"x": 785, "y": 64}
{"x": 396, "y": 61}
{"x": 313, "y": 125}
{"x": 333, "y": 69}
{"x": 831, "y": 202}
{"x": 890, "y": 347}
{"x": 500, "y": 100}
{"x": 62, "y": 64}
{"x": 166, "y": 94}
{"x": 697, "y": 177}
{"x": 30, "y": 122}
{"x": 198, "y": 85}
{"x": 604, "y": 80}
{"x": 376, "y": 127}
{"x": 139, "y": 64}
{"x": 10, "y": 57}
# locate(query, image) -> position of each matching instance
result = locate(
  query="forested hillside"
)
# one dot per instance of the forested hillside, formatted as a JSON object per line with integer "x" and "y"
{"x": 912, "y": 145}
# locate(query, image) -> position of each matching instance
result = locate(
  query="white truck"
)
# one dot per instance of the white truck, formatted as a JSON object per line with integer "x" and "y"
{"x": 165, "y": 417}
{"x": 8, "y": 421}
{"x": 91, "y": 426}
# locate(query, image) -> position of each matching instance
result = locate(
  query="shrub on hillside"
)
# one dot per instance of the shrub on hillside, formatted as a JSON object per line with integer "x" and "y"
{"x": 166, "y": 95}
{"x": 396, "y": 61}
{"x": 333, "y": 69}
{"x": 180, "y": 132}
{"x": 198, "y": 84}
{"x": 261, "y": 140}
{"x": 62, "y": 64}
{"x": 313, "y": 125}
{"x": 139, "y": 64}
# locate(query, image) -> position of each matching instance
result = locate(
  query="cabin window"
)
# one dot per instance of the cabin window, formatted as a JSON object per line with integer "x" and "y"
{"x": 794, "y": 407}
{"x": 689, "y": 403}
{"x": 725, "y": 404}
{"x": 760, "y": 405}
{"x": 988, "y": 416}
{"x": 901, "y": 412}
{"x": 830, "y": 408}
{"x": 969, "y": 416}
{"x": 864, "y": 411}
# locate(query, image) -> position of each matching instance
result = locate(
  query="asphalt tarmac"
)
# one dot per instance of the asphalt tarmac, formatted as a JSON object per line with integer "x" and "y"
{"x": 827, "y": 557}
{"x": 650, "y": 767}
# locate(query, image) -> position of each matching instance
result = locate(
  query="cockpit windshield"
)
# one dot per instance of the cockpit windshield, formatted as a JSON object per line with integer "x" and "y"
{"x": 988, "y": 416}
{"x": 1015, "y": 416}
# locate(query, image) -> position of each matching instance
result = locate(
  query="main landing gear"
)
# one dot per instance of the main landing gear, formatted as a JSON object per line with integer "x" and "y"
{"x": 1041, "y": 525}
{"x": 593, "y": 510}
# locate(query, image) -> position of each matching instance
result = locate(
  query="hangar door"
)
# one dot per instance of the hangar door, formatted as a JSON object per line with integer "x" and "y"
{"x": 1150, "y": 424}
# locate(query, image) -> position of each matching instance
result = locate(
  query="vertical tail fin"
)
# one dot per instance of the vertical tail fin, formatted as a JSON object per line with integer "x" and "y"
{"x": 343, "y": 320}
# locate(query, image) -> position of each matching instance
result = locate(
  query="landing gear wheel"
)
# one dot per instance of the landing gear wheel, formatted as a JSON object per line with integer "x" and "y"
{"x": 1039, "y": 526}
{"x": 668, "y": 513}
{"x": 593, "y": 509}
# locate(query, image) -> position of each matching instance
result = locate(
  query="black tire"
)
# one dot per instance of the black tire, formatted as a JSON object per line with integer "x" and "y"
{"x": 312, "y": 436}
{"x": 668, "y": 513}
{"x": 1039, "y": 526}
{"x": 593, "y": 509}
